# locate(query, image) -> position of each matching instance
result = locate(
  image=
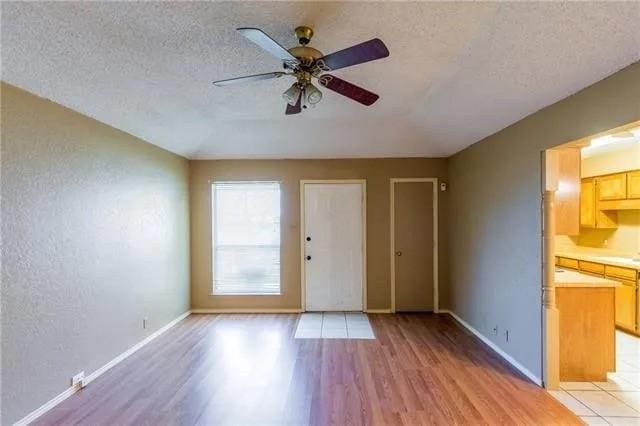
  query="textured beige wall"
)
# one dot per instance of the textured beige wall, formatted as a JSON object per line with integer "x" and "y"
{"x": 377, "y": 172}
{"x": 95, "y": 231}
{"x": 495, "y": 212}
{"x": 625, "y": 239}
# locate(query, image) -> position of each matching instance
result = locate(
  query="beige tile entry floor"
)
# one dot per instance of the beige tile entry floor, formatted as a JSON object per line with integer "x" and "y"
{"x": 614, "y": 402}
{"x": 334, "y": 325}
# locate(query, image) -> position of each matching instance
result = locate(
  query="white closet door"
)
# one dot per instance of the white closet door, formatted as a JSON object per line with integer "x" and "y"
{"x": 333, "y": 218}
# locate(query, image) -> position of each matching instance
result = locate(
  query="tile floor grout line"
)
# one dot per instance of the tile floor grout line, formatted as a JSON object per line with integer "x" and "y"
{"x": 624, "y": 402}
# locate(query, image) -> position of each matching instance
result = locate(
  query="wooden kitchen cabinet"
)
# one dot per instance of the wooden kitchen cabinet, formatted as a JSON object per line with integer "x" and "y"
{"x": 591, "y": 267}
{"x": 626, "y": 305}
{"x": 586, "y": 321}
{"x": 627, "y": 296}
{"x": 633, "y": 184}
{"x": 590, "y": 215}
{"x": 563, "y": 177}
{"x": 627, "y": 274}
{"x": 612, "y": 187}
{"x": 588, "y": 203}
{"x": 565, "y": 262}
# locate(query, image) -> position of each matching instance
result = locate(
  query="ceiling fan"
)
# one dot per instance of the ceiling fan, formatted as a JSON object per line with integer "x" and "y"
{"x": 305, "y": 63}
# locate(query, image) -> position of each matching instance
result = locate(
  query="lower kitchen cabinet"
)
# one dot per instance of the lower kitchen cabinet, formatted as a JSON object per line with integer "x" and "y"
{"x": 626, "y": 305}
{"x": 627, "y": 295}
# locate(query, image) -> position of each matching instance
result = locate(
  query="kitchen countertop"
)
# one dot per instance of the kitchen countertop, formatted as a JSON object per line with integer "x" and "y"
{"x": 568, "y": 278}
{"x": 600, "y": 257}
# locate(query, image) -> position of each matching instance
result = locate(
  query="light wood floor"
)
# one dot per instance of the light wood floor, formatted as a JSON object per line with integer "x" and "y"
{"x": 248, "y": 370}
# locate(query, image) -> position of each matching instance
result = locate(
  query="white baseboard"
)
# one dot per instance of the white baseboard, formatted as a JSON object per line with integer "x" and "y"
{"x": 378, "y": 311}
{"x": 73, "y": 389}
{"x": 245, "y": 311}
{"x": 535, "y": 379}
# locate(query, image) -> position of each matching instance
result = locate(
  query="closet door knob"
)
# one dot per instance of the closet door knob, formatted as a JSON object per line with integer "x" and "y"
{"x": 308, "y": 257}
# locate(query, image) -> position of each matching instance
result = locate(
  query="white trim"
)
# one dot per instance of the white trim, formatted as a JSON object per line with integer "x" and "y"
{"x": 535, "y": 379}
{"x": 91, "y": 377}
{"x": 378, "y": 311}
{"x": 303, "y": 284}
{"x": 392, "y": 242}
{"x": 246, "y": 311}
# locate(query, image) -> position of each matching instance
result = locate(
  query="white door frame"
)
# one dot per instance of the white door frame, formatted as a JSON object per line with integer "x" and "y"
{"x": 303, "y": 287}
{"x": 392, "y": 251}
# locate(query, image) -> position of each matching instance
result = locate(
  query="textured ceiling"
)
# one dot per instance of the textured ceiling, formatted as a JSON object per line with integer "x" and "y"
{"x": 457, "y": 72}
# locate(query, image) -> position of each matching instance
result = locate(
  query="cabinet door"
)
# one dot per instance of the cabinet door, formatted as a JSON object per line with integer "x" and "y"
{"x": 588, "y": 203}
{"x": 633, "y": 184}
{"x": 613, "y": 187}
{"x": 568, "y": 199}
{"x": 626, "y": 305}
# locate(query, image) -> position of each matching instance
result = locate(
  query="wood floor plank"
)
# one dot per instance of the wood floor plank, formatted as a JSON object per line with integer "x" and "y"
{"x": 247, "y": 369}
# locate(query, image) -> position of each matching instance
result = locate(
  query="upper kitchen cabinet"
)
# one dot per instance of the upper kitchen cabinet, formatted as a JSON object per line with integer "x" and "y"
{"x": 591, "y": 216}
{"x": 620, "y": 191}
{"x": 588, "y": 203}
{"x": 633, "y": 184}
{"x": 613, "y": 187}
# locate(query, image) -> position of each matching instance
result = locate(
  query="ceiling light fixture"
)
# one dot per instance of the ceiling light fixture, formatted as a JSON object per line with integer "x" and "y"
{"x": 312, "y": 94}
{"x": 602, "y": 141}
{"x": 292, "y": 94}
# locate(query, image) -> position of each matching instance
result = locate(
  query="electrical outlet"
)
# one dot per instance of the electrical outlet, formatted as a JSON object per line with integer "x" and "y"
{"x": 144, "y": 323}
{"x": 77, "y": 380}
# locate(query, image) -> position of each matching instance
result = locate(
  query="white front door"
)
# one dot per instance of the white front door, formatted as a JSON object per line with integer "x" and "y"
{"x": 333, "y": 244}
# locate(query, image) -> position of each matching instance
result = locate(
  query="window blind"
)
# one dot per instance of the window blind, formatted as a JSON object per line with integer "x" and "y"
{"x": 246, "y": 237}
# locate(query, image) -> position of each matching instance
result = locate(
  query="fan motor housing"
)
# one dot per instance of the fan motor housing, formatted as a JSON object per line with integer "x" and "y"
{"x": 306, "y": 54}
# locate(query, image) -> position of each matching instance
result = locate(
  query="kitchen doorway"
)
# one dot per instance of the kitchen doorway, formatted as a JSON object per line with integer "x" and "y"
{"x": 333, "y": 241}
{"x": 591, "y": 258}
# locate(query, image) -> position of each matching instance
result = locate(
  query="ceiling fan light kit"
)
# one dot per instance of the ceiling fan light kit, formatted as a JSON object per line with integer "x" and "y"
{"x": 305, "y": 63}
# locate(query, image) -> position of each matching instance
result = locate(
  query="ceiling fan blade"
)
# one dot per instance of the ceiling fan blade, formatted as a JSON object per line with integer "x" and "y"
{"x": 347, "y": 89}
{"x": 354, "y": 55}
{"x": 294, "y": 109}
{"x": 249, "y": 78}
{"x": 260, "y": 38}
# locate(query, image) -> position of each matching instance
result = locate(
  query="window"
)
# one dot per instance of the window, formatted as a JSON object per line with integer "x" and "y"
{"x": 246, "y": 237}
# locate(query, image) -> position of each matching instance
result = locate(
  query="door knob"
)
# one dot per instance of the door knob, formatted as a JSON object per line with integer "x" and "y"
{"x": 308, "y": 257}
{"x": 398, "y": 253}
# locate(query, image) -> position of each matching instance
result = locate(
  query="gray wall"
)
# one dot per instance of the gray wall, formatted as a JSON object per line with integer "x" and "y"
{"x": 495, "y": 212}
{"x": 95, "y": 230}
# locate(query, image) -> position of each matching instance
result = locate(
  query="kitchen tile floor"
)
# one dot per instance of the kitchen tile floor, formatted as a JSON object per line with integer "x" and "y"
{"x": 334, "y": 325}
{"x": 614, "y": 402}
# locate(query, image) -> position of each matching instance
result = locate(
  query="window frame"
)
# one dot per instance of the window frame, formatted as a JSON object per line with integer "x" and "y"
{"x": 214, "y": 220}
